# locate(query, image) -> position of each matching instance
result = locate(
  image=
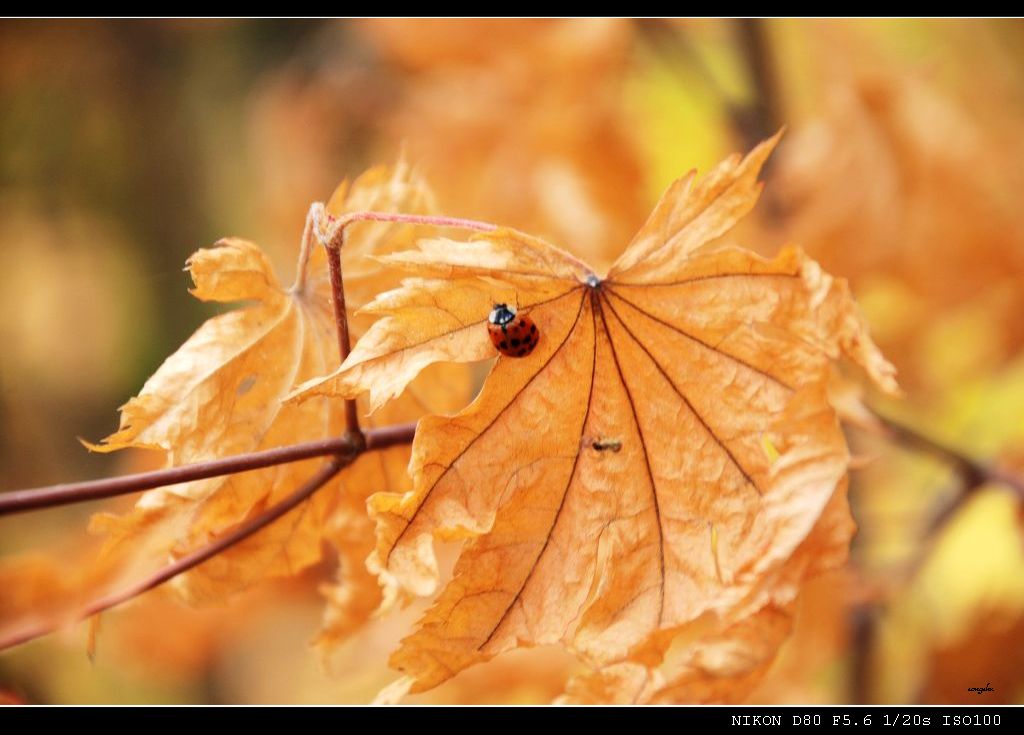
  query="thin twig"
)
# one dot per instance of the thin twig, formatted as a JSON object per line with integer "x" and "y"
{"x": 414, "y": 219}
{"x": 755, "y": 120}
{"x": 193, "y": 559}
{"x": 681, "y": 57}
{"x": 52, "y": 496}
{"x": 334, "y": 242}
{"x": 341, "y": 320}
{"x": 972, "y": 473}
{"x": 343, "y": 450}
{"x": 763, "y": 117}
{"x": 375, "y": 440}
{"x": 333, "y": 236}
{"x": 862, "y": 620}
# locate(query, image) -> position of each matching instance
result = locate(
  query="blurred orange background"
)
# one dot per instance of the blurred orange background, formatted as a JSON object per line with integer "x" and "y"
{"x": 127, "y": 145}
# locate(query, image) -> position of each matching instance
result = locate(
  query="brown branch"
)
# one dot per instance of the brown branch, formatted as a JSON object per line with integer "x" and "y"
{"x": 415, "y": 219}
{"x": 678, "y": 49}
{"x": 341, "y": 320}
{"x": 375, "y": 440}
{"x": 972, "y": 473}
{"x": 334, "y": 243}
{"x": 342, "y": 450}
{"x": 862, "y": 622}
{"x": 763, "y": 116}
{"x": 16, "y": 501}
{"x": 755, "y": 120}
{"x": 193, "y": 559}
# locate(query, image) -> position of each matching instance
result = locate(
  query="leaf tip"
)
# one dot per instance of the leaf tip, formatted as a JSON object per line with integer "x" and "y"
{"x": 394, "y": 692}
{"x": 90, "y": 446}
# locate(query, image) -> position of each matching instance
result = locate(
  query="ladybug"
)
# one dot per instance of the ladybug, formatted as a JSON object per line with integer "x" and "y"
{"x": 514, "y": 336}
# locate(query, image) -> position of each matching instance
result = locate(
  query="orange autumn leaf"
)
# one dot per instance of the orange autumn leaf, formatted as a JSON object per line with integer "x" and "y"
{"x": 723, "y": 660}
{"x": 221, "y": 394}
{"x": 664, "y": 450}
{"x": 715, "y": 670}
{"x": 355, "y": 594}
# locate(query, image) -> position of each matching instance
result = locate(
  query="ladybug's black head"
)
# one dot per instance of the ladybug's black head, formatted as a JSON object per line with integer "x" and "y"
{"x": 502, "y": 314}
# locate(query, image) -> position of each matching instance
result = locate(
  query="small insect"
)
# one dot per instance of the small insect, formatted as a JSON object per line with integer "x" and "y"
{"x": 515, "y": 336}
{"x": 602, "y": 444}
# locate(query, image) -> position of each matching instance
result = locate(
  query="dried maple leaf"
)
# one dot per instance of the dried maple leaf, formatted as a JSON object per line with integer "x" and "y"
{"x": 716, "y": 669}
{"x": 221, "y": 393}
{"x": 723, "y": 660}
{"x": 355, "y": 594}
{"x": 664, "y": 450}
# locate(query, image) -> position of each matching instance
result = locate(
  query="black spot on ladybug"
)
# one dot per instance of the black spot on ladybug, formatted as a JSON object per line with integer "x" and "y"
{"x": 521, "y": 352}
{"x": 515, "y": 343}
{"x": 522, "y": 322}
{"x": 533, "y": 329}
{"x": 504, "y": 344}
